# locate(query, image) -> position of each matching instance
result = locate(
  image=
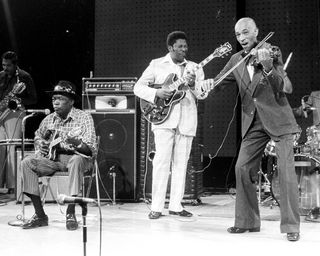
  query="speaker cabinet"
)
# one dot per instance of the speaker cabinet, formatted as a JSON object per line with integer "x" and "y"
{"x": 116, "y": 156}
{"x": 194, "y": 182}
{"x": 58, "y": 184}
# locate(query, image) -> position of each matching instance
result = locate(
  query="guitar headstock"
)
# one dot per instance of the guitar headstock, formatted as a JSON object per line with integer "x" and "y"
{"x": 223, "y": 50}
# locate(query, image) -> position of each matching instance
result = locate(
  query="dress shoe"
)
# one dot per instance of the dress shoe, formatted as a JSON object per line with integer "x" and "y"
{"x": 183, "y": 213}
{"x": 235, "y": 230}
{"x": 71, "y": 221}
{"x": 154, "y": 215}
{"x": 36, "y": 222}
{"x": 293, "y": 236}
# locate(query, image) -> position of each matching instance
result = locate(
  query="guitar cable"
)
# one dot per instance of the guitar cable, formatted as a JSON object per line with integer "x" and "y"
{"x": 226, "y": 133}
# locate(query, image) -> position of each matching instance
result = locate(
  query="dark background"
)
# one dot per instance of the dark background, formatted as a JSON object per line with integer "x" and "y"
{"x": 66, "y": 39}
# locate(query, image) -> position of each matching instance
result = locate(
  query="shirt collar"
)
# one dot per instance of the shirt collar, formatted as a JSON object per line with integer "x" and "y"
{"x": 71, "y": 115}
{"x": 168, "y": 58}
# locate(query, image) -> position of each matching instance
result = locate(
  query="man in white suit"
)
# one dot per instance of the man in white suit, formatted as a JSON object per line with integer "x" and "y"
{"x": 173, "y": 137}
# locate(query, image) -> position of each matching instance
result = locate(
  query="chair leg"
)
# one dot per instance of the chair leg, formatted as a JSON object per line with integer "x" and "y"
{"x": 84, "y": 192}
{"x": 44, "y": 183}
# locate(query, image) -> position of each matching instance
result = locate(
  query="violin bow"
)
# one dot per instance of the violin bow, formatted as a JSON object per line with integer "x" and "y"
{"x": 243, "y": 59}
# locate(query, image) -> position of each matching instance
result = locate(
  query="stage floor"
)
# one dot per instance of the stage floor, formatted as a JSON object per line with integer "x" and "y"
{"x": 126, "y": 230}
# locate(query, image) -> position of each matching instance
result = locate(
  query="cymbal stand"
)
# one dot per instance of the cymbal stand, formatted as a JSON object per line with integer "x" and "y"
{"x": 267, "y": 187}
{"x": 21, "y": 217}
{"x": 266, "y": 184}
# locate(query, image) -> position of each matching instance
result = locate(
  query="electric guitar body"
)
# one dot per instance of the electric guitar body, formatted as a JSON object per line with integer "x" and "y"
{"x": 158, "y": 112}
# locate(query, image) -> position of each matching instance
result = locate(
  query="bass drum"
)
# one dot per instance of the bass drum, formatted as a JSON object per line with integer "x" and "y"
{"x": 307, "y": 171}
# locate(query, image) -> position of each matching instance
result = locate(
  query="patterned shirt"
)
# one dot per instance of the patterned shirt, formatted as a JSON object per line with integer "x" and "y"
{"x": 78, "y": 124}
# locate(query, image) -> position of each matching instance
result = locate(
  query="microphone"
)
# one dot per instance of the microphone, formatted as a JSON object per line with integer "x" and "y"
{"x": 303, "y": 105}
{"x": 44, "y": 111}
{"x": 63, "y": 199}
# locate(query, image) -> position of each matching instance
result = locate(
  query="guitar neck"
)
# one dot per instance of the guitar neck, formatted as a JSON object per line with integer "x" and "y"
{"x": 175, "y": 85}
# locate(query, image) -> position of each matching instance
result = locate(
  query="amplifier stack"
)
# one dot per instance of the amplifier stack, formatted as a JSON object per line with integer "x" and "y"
{"x": 113, "y": 106}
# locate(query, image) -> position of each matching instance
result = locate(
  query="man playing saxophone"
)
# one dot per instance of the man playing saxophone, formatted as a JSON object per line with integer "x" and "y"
{"x": 16, "y": 89}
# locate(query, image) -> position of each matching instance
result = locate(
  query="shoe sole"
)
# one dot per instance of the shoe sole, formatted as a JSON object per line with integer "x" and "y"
{"x": 72, "y": 226}
{"x": 38, "y": 226}
{"x": 247, "y": 230}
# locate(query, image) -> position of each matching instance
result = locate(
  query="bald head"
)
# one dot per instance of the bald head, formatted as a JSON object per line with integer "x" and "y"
{"x": 249, "y": 22}
{"x": 246, "y": 32}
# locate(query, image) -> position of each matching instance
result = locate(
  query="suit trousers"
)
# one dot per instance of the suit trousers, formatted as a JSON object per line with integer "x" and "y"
{"x": 35, "y": 166}
{"x": 172, "y": 154}
{"x": 247, "y": 213}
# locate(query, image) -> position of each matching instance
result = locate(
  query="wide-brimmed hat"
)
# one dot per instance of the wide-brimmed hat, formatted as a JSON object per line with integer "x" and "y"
{"x": 65, "y": 88}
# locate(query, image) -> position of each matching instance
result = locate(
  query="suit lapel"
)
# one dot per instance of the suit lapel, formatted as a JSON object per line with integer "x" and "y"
{"x": 255, "y": 80}
{"x": 243, "y": 72}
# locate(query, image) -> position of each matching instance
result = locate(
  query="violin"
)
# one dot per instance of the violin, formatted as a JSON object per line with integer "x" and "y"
{"x": 274, "y": 52}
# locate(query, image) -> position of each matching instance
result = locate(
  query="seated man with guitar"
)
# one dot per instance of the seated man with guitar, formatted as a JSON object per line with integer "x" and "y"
{"x": 174, "y": 128}
{"x": 64, "y": 141}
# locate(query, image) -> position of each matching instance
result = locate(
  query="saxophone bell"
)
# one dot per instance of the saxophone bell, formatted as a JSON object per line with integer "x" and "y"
{"x": 14, "y": 104}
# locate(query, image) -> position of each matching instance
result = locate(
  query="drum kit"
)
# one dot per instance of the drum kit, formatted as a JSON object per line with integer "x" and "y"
{"x": 307, "y": 168}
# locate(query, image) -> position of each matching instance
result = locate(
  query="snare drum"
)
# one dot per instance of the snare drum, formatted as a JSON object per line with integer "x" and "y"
{"x": 306, "y": 167}
{"x": 270, "y": 149}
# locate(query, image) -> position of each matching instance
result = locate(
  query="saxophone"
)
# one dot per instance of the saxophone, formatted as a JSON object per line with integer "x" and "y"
{"x": 11, "y": 101}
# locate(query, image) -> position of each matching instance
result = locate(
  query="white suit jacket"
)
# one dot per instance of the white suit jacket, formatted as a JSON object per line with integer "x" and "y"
{"x": 183, "y": 115}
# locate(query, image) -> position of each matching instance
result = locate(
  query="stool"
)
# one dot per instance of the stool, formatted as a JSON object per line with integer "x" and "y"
{"x": 45, "y": 180}
{"x": 60, "y": 186}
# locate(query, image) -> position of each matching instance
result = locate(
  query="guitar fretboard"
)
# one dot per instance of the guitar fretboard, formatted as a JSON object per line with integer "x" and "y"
{"x": 217, "y": 53}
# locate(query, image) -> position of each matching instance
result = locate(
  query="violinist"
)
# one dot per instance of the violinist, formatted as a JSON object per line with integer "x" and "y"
{"x": 266, "y": 114}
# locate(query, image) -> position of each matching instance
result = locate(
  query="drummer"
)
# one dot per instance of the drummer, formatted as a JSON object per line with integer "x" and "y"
{"x": 311, "y": 105}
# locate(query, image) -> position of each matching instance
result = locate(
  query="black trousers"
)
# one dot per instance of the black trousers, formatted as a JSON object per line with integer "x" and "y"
{"x": 247, "y": 213}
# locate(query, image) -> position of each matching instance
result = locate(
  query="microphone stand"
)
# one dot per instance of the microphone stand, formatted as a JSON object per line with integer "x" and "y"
{"x": 84, "y": 227}
{"x": 21, "y": 218}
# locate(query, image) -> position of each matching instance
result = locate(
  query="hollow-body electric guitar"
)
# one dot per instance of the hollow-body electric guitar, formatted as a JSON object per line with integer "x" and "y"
{"x": 160, "y": 110}
{"x": 57, "y": 137}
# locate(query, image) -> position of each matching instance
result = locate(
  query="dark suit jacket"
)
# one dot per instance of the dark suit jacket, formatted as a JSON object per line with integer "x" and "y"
{"x": 264, "y": 95}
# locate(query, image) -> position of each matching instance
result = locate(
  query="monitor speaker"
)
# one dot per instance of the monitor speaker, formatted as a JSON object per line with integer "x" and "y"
{"x": 116, "y": 155}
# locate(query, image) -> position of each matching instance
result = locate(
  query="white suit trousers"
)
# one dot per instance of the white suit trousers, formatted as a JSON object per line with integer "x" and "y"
{"x": 172, "y": 154}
